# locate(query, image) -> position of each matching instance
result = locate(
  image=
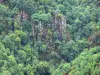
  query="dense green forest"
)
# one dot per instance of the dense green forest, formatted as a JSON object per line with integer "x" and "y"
{"x": 49, "y": 37}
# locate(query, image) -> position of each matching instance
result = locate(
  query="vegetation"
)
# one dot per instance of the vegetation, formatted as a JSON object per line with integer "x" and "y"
{"x": 49, "y": 37}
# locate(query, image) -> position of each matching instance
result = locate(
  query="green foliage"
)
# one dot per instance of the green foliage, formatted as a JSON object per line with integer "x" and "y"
{"x": 4, "y": 11}
{"x": 15, "y": 39}
{"x": 62, "y": 68}
{"x": 4, "y": 52}
{"x": 6, "y": 73}
{"x": 65, "y": 40}
{"x": 27, "y": 26}
{"x": 61, "y": 8}
{"x": 41, "y": 47}
{"x": 22, "y": 58}
{"x": 12, "y": 60}
{"x": 86, "y": 63}
{"x": 4, "y": 17}
{"x": 22, "y": 35}
{"x": 67, "y": 51}
{"x": 41, "y": 17}
{"x": 2, "y": 27}
{"x": 8, "y": 43}
{"x": 42, "y": 69}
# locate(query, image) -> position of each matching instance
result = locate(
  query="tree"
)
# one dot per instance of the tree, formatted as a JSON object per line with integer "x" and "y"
{"x": 11, "y": 60}
{"x": 8, "y": 43}
{"x": 42, "y": 69}
{"x": 67, "y": 50}
{"x": 22, "y": 35}
{"x": 61, "y": 8}
{"x": 6, "y": 73}
{"x": 22, "y": 58}
{"x": 4, "y": 18}
{"x": 45, "y": 18}
{"x": 27, "y": 6}
{"x": 14, "y": 38}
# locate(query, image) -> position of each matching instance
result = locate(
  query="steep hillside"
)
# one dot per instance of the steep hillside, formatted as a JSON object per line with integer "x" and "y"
{"x": 87, "y": 63}
{"x": 49, "y": 37}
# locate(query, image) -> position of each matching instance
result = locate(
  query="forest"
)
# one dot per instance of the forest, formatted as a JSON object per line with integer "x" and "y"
{"x": 49, "y": 37}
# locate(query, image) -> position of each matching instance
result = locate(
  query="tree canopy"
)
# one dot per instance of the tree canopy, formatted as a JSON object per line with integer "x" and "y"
{"x": 49, "y": 37}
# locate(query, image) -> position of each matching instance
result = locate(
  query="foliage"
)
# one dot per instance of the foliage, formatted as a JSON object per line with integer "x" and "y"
{"x": 49, "y": 37}
{"x": 41, "y": 17}
{"x": 86, "y": 63}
